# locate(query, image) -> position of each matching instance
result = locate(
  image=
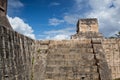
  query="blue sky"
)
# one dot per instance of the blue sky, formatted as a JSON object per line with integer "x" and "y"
{"x": 56, "y": 19}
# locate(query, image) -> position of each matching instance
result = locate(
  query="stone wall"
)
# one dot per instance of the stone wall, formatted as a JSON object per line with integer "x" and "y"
{"x": 112, "y": 53}
{"x": 3, "y": 7}
{"x": 15, "y": 55}
{"x": 40, "y": 57}
{"x": 86, "y": 35}
{"x": 3, "y": 11}
{"x": 70, "y": 60}
{"x": 87, "y": 24}
{"x": 22, "y": 58}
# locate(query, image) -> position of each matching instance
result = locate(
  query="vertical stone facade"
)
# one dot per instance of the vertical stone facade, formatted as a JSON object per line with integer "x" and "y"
{"x": 3, "y": 11}
{"x": 3, "y": 7}
{"x": 110, "y": 46}
{"x": 70, "y": 60}
{"x": 87, "y": 25}
{"x": 16, "y": 52}
{"x": 112, "y": 53}
{"x": 87, "y": 28}
{"x": 40, "y": 57}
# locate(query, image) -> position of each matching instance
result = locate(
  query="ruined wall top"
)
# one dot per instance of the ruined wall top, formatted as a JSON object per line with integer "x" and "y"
{"x": 87, "y": 25}
{"x": 3, "y": 7}
{"x": 3, "y": 11}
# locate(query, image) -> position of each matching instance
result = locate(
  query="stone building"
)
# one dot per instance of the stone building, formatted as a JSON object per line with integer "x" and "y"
{"x": 87, "y": 28}
{"x": 111, "y": 47}
{"x": 87, "y": 25}
{"x": 86, "y": 56}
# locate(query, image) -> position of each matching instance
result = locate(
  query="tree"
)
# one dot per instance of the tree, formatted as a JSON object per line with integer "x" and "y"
{"x": 112, "y": 37}
{"x": 118, "y": 34}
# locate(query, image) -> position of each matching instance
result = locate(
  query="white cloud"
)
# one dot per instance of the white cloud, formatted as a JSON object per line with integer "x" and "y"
{"x": 15, "y": 4}
{"x": 20, "y": 26}
{"x": 58, "y": 37}
{"x": 60, "y": 34}
{"x": 107, "y": 11}
{"x": 71, "y": 19}
{"x": 61, "y": 31}
{"x": 78, "y": 5}
{"x": 54, "y": 4}
{"x": 55, "y": 21}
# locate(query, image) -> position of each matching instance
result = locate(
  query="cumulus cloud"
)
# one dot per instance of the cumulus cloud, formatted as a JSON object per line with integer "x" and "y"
{"x": 20, "y": 26}
{"x": 55, "y": 21}
{"x": 107, "y": 11}
{"x": 60, "y": 34}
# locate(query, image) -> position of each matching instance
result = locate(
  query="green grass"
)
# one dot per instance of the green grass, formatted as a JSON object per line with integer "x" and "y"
{"x": 117, "y": 79}
{"x": 38, "y": 50}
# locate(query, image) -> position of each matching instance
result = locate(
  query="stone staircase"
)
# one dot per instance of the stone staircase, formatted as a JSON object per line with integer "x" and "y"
{"x": 73, "y": 60}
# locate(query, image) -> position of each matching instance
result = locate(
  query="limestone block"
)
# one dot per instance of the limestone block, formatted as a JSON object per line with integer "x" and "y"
{"x": 44, "y": 42}
{"x": 96, "y": 41}
{"x": 96, "y": 76}
{"x": 89, "y": 50}
{"x": 88, "y": 56}
{"x": 104, "y": 71}
{"x": 43, "y": 47}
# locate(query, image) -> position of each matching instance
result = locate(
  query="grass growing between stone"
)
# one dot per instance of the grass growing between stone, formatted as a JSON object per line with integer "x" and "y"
{"x": 117, "y": 79}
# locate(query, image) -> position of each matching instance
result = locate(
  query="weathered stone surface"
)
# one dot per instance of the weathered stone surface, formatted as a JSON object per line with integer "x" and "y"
{"x": 112, "y": 54}
{"x": 86, "y": 35}
{"x": 82, "y": 63}
{"x": 110, "y": 47}
{"x": 103, "y": 69}
{"x": 86, "y": 25}
{"x": 25, "y": 59}
{"x": 87, "y": 28}
{"x": 15, "y": 55}
{"x": 3, "y": 11}
{"x": 82, "y": 58}
{"x": 3, "y": 7}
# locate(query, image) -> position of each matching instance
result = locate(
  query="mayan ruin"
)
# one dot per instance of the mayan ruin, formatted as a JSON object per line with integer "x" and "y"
{"x": 86, "y": 56}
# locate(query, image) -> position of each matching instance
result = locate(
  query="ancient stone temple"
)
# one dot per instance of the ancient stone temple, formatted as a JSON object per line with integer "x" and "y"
{"x": 86, "y": 56}
{"x": 87, "y": 28}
